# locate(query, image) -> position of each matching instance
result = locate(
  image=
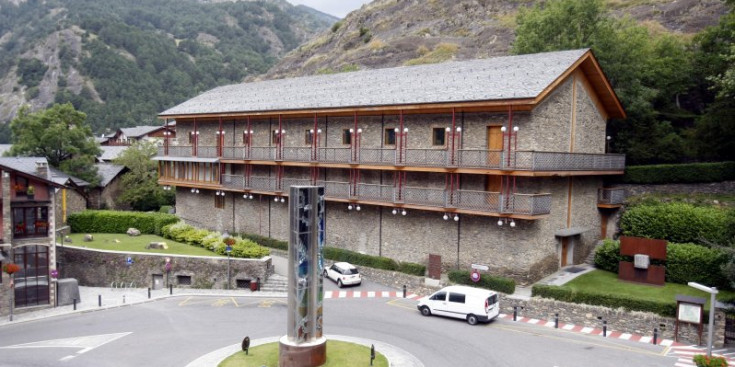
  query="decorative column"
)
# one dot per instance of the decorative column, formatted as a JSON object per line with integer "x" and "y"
{"x": 304, "y": 344}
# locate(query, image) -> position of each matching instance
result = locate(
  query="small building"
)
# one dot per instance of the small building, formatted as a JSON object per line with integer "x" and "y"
{"x": 104, "y": 195}
{"x": 27, "y": 230}
{"x": 498, "y": 161}
{"x": 128, "y": 135}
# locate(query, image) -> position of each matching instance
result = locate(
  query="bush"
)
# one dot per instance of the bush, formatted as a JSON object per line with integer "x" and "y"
{"x": 685, "y": 262}
{"x": 412, "y": 268}
{"x": 165, "y": 209}
{"x": 679, "y": 222}
{"x": 110, "y": 221}
{"x": 667, "y": 309}
{"x": 266, "y": 241}
{"x": 377, "y": 262}
{"x": 702, "y": 360}
{"x": 680, "y": 173}
{"x": 497, "y": 283}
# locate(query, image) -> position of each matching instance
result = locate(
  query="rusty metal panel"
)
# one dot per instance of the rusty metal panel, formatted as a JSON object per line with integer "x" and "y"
{"x": 435, "y": 266}
{"x": 655, "y": 274}
{"x": 630, "y": 246}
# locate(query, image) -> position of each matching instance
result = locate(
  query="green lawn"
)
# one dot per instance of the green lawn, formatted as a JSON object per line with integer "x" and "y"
{"x": 598, "y": 280}
{"x": 123, "y": 242}
{"x": 339, "y": 354}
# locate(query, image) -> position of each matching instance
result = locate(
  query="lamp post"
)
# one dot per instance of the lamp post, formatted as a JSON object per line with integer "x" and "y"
{"x": 712, "y": 291}
{"x": 401, "y": 135}
{"x": 607, "y": 145}
{"x": 228, "y": 250}
{"x": 166, "y": 136}
{"x": 247, "y": 139}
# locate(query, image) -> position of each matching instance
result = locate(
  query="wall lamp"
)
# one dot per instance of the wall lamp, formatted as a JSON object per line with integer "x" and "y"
{"x": 247, "y": 196}
{"x": 220, "y": 193}
{"x": 503, "y": 221}
{"x": 281, "y": 199}
{"x": 194, "y": 190}
{"x": 167, "y": 188}
{"x": 447, "y": 216}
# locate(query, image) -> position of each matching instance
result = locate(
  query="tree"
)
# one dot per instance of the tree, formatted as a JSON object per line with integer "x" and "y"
{"x": 648, "y": 71}
{"x": 62, "y": 135}
{"x": 140, "y": 183}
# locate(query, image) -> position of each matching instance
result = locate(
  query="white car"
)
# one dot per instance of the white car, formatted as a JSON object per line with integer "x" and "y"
{"x": 343, "y": 273}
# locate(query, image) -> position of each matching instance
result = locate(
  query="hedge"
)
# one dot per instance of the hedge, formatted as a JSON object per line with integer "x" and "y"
{"x": 680, "y": 222}
{"x": 110, "y": 221}
{"x": 497, "y": 283}
{"x": 213, "y": 241}
{"x": 355, "y": 258}
{"x": 667, "y": 309}
{"x": 685, "y": 262}
{"x": 680, "y": 173}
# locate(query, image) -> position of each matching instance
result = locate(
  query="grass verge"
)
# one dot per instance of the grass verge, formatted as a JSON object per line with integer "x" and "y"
{"x": 597, "y": 280}
{"x": 125, "y": 243}
{"x": 339, "y": 354}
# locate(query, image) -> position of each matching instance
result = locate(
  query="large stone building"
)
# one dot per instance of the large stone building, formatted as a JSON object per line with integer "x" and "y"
{"x": 28, "y": 223}
{"x": 497, "y": 161}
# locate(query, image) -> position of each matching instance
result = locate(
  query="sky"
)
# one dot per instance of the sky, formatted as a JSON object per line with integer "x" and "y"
{"x": 338, "y": 8}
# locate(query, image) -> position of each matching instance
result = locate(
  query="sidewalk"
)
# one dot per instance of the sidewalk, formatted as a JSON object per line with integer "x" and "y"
{"x": 560, "y": 277}
{"x": 122, "y": 297}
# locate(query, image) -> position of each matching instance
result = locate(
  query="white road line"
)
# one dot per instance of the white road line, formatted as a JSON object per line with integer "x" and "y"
{"x": 342, "y": 294}
{"x": 66, "y": 358}
{"x": 549, "y": 324}
{"x": 371, "y": 294}
{"x": 568, "y": 327}
{"x": 645, "y": 339}
{"x": 533, "y": 321}
{"x": 385, "y": 294}
{"x": 625, "y": 336}
{"x": 587, "y": 330}
{"x": 356, "y": 294}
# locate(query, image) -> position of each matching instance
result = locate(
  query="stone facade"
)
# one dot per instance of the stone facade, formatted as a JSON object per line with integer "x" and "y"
{"x": 74, "y": 202}
{"x": 567, "y": 120}
{"x": 97, "y": 268}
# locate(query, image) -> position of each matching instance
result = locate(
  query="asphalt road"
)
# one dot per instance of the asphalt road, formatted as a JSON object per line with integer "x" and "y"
{"x": 175, "y": 331}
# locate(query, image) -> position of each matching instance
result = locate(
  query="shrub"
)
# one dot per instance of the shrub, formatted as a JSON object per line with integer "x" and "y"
{"x": 702, "y": 360}
{"x": 679, "y": 222}
{"x": 165, "y": 209}
{"x": 667, "y": 309}
{"x": 377, "y": 262}
{"x": 266, "y": 241}
{"x": 608, "y": 256}
{"x": 497, "y": 283}
{"x": 680, "y": 173}
{"x": 110, "y": 221}
{"x": 412, "y": 268}
{"x": 685, "y": 262}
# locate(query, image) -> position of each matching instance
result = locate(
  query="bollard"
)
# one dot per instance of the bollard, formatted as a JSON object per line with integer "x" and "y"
{"x": 149, "y": 293}
{"x": 170, "y": 289}
{"x": 515, "y": 313}
{"x": 404, "y": 291}
{"x": 75, "y": 304}
{"x": 604, "y": 328}
{"x": 655, "y": 335}
{"x": 99, "y": 300}
{"x": 556, "y": 320}
{"x": 372, "y": 353}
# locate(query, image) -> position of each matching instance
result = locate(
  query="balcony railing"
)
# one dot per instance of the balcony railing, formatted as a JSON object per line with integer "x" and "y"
{"x": 463, "y": 158}
{"x": 611, "y": 196}
{"x": 481, "y": 201}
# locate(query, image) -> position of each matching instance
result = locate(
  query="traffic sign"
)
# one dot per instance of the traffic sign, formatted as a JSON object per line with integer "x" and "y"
{"x": 475, "y": 276}
{"x": 228, "y": 249}
{"x": 129, "y": 260}
{"x": 480, "y": 267}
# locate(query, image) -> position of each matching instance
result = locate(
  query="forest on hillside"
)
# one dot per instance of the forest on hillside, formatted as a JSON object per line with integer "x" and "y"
{"x": 122, "y": 62}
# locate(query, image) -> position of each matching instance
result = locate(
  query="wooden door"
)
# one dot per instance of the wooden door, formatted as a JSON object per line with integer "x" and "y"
{"x": 564, "y": 250}
{"x": 494, "y": 147}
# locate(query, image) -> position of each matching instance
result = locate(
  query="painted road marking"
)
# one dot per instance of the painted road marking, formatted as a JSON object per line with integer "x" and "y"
{"x": 86, "y": 343}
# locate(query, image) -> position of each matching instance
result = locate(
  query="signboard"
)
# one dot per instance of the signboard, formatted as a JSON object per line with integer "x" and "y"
{"x": 129, "y": 261}
{"x": 228, "y": 249}
{"x": 480, "y": 267}
{"x": 690, "y": 313}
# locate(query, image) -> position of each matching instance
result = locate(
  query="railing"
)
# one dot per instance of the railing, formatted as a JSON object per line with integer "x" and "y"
{"x": 479, "y": 201}
{"x": 469, "y": 158}
{"x": 612, "y": 196}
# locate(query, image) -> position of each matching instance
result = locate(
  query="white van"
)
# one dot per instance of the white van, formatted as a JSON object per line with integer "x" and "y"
{"x": 462, "y": 302}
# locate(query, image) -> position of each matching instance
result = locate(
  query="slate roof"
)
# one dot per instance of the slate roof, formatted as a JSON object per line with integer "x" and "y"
{"x": 138, "y": 131}
{"x": 26, "y": 165}
{"x": 108, "y": 171}
{"x": 110, "y": 152}
{"x": 62, "y": 178}
{"x": 499, "y": 78}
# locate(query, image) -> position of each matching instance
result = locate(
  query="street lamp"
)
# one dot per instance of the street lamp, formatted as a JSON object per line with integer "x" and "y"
{"x": 712, "y": 291}
{"x": 228, "y": 248}
{"x": 607, "y": 146}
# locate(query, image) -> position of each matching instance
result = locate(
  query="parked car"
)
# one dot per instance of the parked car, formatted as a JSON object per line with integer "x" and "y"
{"x": 462, "y": 302}
{"x": 343, "y": 273}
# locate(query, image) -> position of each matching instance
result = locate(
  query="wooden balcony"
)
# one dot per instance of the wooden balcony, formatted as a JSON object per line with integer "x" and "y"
{"x": 610, "y": 197}
{"x": 544, "y": 163}
{"x": 522, "y": 206}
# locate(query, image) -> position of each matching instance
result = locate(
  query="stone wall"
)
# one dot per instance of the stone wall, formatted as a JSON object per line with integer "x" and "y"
{"x": 633, "y": 322}
{"x": 97, "y": 268}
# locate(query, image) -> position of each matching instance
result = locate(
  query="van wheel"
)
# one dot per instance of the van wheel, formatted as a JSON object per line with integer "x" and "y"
{"x": 425, "y": 311}
{"x": 472, "y": 319}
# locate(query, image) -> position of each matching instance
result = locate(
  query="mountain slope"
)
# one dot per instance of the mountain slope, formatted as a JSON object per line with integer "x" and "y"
{"x": 122, "y": 62}
{"x": 388, "y": 33}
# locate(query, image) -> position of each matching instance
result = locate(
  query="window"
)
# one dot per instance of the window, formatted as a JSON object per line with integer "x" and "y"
{"x": 30, "y": 222}
{"x": 308, "y": 137}
{"x": 456, "y": 297}
{"x": 183, "y": 279}
{"x": 389, "y": 137}
{"x": 346, "y": 137}
{"x": 242, "y": 283}
{"x": 21, "y": 185}
{"x": 219, "y": 201}
{"x": 438, "y": 136}
{"x": 32, "y": 281}
{"x": 441, "y": 296}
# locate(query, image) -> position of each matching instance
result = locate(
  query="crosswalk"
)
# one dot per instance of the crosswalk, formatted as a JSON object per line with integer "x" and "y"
{"x": 685, "y": 355}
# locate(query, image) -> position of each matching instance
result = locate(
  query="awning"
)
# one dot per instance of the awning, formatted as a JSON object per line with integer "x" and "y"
{"x": 568, "y": 232}
{"x": 186, "y": 159}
